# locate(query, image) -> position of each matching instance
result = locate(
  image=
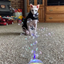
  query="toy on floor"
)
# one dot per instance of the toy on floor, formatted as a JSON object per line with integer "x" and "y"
{"x": 18, "y": 15}
{"x": 20, "y": 19}
{"x": 6, "y": 20}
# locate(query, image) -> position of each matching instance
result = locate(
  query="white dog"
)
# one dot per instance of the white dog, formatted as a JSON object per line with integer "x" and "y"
{"x": 30, "y": 23}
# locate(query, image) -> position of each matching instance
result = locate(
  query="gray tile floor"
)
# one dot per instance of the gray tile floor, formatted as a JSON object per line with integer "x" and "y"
{"x": 16, "y": 48}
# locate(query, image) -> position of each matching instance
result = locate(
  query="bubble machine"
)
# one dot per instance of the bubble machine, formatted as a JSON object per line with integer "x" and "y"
{"x": 34, "y": 60}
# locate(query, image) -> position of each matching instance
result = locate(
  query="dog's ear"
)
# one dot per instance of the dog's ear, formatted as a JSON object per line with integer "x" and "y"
{"x": 38, "y": 6}
{"x": 31, "y": 6}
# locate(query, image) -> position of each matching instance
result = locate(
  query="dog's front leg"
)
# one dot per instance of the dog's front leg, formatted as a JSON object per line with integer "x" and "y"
{"x": 28, "y": 25}
{"x": 35, "y": 27}
{"x": 35, "y": 30}
{"x": 30, "y": 32}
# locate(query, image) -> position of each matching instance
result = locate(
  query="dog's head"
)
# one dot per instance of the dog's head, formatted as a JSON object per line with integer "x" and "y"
{"x": 34, "y": 9}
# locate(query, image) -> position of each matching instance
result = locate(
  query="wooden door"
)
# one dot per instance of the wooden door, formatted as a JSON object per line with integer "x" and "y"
{"x": 41, "y": 9}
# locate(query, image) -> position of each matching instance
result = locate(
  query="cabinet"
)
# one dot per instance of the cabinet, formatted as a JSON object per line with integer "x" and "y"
{"x": 55, "y": 9}
{"x": 54, "y": 13}
{"x": 55, "y": 18}
{"x": 41, "y": 9}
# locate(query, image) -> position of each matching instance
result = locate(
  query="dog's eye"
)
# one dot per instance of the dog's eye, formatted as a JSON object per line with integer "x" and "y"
{"x": 32, "y": 10}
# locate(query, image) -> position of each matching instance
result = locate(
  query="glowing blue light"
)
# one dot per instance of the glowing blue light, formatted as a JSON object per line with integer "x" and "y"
{"x": 35, "y": 61}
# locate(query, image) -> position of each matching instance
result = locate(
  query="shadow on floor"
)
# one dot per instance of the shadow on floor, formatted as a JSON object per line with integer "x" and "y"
{"x": 9, "y": 33}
